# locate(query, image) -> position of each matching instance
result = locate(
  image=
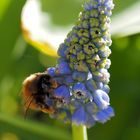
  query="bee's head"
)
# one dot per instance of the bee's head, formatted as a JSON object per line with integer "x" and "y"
{"x": 46, "y": 83}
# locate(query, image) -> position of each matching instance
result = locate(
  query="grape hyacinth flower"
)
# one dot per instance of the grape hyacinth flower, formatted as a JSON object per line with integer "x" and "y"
{"x": 82, "y": 70}
{"x": 76, "y": 90}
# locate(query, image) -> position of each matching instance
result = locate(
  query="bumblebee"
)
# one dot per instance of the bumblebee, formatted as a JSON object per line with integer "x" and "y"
{"x": 37, "y": 90}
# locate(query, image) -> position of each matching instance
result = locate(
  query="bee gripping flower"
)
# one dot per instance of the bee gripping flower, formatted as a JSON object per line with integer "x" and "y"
{"x": 82, "y": 69}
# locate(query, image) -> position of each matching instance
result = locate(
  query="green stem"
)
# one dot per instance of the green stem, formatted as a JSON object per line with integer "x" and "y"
{"x": 79, "y": 132}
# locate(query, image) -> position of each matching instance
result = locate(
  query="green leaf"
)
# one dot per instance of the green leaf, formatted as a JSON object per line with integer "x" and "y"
{"x": 121, "y": 5}
{"x": 62, "y": 12}
{"x": 9, "y": 32}
{"x": 31, "y": 130}
{"x": 4, "y": 4}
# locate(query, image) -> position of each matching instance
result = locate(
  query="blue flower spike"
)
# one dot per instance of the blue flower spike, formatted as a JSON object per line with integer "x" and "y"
{"x": 79, "y": 76}
{"x": 63, "y": 68}
{"x": 62, "y": 96}
{"x": 79, "y": 116}
{"x": 80, "y": 92}
{"x": 101, "y": 99}
{"x": 62, "y": 92}
{"x": 104, "y": 115}
{"x": 82, "y": 69}
{"x": 51, "y": 71}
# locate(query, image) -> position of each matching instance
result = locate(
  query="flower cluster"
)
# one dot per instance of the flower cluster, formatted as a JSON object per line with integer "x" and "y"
{"x": 82, "y": 69}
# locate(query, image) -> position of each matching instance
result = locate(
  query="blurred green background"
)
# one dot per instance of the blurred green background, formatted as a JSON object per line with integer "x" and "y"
{"x": 18, "y": 60}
